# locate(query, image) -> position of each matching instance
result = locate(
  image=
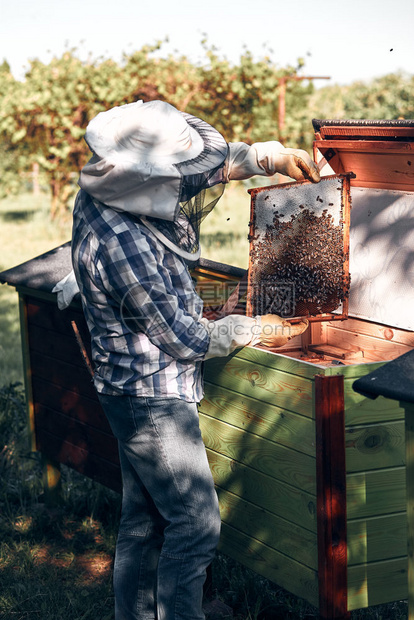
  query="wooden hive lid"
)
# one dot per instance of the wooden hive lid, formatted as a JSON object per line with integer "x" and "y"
{"x": 379, "y": 152}
{"x": 42, "y": 272}
{"x": 394, "y": 380}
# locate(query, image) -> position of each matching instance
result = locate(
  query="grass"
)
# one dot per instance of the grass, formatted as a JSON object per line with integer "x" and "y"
{"x": 56, "y": 563}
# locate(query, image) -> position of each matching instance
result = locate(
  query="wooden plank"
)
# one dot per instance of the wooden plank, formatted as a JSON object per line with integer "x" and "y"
{"x": 342, "y": 353}
{"x": 266, "y": 384}
{"x": 380, "y": 170}
{"x": 49, "y": 316}
{"x": 29, "y": 292}
{"x": 369, "y": 146}
{"x": 361, "y": 410}
{"x": 43, "y": 314}
{"x": 376, "y": 583}
{"x": 259, "y": 454}
{"x": 61, "y": 346}
{"x": 277, "y": 497}
{"x": 280, "y": 534}
{"x": 373, "y": 348}
{"x": 73, "y": 378}
{"x": 279, "y": 361}
{"x": 353, "y": 371}
{"x": 375, "y": 446}
{"x": 70, "y": 403}
{"x": 379, "y": 164}
{"x": 382, "y": 537}
{"x": 92, "y": 440}
{"x": 81, "y": 460}
{"x": 370, "y": 411}
{"x": 262, "y": 419}
{"x": 293, "y": 576}
{"x": 376, "y": 493}
{"x": 375, "y": 330}
{"x": 331, "y": 496}
{"x": 367, "y": 131}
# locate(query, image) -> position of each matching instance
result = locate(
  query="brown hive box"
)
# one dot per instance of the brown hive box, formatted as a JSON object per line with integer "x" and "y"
{"x": 310, "y": 475}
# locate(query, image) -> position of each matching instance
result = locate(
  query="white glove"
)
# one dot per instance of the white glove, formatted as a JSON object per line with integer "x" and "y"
{"x": 231, "y": 333}
{"x": 276, "y": 331}
{"x": 266, "y": 159}
{"x": 66, "y": 290}
{"x": 294, "y": 163}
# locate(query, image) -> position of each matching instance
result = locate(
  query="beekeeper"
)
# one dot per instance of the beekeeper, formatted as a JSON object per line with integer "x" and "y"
{"x": 154, "y": 175}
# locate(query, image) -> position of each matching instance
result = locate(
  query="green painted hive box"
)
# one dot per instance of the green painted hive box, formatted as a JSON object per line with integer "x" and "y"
{"x": 310, "y": 475}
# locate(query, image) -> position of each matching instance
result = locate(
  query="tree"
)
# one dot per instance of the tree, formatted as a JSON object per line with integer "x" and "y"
{"x": 241, "y": 100}
{"x": 388, "y": 97}
{"x": 12, "y": 159}
{"x": 43, "y": 118}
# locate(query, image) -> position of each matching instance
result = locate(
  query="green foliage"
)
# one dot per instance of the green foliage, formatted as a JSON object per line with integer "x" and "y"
{"x": 388, "y": 97}
{"x": 241, "y": 101}
{"x": 43, "y": 118}
{"x": 12, "y": 158}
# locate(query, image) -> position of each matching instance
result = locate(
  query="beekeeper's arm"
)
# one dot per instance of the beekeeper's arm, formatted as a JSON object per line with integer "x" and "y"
{"x": 267, "y": 159}
{"x": 235, "y": 331}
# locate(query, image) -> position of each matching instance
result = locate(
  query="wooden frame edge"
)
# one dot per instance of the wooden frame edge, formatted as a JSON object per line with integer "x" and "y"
{"x": 27, "y": 371}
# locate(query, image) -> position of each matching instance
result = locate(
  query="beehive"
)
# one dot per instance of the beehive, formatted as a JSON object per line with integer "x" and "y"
{"x": 311, "y": 475}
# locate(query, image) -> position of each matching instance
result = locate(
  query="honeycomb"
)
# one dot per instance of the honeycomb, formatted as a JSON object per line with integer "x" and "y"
{"x": 298, "y": 248}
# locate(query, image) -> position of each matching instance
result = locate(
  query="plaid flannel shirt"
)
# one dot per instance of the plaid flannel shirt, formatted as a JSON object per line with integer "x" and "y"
{"x": 140, "y": 305}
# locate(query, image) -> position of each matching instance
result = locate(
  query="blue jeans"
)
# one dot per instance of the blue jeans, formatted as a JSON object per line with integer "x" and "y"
{"x": 170, "y": 521}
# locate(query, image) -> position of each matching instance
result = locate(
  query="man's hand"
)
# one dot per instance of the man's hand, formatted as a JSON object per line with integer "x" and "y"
{"x": 294, "y": 163}
{"x": 275, "y": 331}
{"x": 298, "y": 165}
{"x": 268, "y": 158}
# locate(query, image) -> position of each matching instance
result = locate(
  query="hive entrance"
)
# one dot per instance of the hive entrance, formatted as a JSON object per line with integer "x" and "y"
{"x": 299, "y": 249}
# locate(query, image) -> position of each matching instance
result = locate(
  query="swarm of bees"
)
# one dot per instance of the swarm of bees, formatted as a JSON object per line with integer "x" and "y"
{"x": 298, "y": 251}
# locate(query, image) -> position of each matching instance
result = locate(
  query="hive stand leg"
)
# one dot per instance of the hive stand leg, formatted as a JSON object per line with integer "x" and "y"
{"x": 409, "y": 453}
{"x": 331, "y": 497}
{"x": 52, "y": 483}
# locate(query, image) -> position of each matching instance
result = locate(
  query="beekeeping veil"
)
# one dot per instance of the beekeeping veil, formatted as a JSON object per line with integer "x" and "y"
{"x": 159, "y": 164}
